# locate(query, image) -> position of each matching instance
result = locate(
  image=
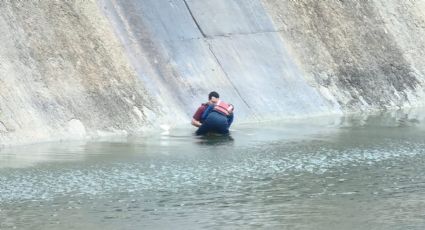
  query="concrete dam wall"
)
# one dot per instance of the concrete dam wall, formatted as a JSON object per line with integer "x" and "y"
{"x": 76, "y": 69}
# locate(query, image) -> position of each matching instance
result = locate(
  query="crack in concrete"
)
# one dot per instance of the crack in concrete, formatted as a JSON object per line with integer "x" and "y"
{"x": 212, "y": 52}
{"x": 3, "y": 127}
{"x": 206, "y": 38}
{"x": 194, "y": 19}
{"x": 246, "y": 33}
{"x": 229, "y": 35}
{"x": 204, "y": 35}
{"x": 228, "y": 78}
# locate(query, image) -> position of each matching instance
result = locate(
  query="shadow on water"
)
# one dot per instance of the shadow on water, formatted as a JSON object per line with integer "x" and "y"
{"x": 215, "y": 140}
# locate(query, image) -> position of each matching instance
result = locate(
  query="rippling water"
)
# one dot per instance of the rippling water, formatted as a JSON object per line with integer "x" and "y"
{"x": 356, "y": 172}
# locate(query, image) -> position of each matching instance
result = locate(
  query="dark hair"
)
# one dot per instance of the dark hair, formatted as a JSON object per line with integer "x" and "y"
{"x": 213, "y": 94}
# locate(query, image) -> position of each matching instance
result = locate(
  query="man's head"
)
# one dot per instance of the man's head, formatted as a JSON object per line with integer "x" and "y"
{"x": 213, "y": 97}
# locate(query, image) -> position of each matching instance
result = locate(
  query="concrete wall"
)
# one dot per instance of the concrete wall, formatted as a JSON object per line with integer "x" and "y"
{"x": 63, "y": 74}
{"x": 190, "y": 48}
{"x": 364, "y": 53}
{"x": 72, "y": 69}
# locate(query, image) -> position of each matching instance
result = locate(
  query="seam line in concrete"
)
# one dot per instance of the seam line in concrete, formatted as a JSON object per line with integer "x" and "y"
{"x": 228, "y": 78}
{"x": 227, "y": 35}
{"x": 194, "y": 19}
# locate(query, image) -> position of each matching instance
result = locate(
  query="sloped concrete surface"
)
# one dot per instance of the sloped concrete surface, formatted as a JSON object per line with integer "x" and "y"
{"x": 78, "y": 69}
{"x": 64, "y": 74}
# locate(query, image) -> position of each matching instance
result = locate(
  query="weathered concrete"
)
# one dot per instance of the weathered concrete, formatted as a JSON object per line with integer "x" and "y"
{"x": 64, "y": 74}
{"x": 228, "y": 46}
{"x": 348, "y": 48}
{"x": 168, "y": 52}
{"x": 85, "y": 68}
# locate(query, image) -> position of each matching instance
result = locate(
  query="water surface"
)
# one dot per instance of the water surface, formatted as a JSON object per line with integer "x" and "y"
{"x": 354, "y": 172}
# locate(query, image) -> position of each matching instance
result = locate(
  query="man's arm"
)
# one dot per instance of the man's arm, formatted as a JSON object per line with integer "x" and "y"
{"x": 196, "y": 123}
{"x": 196, "y": 119}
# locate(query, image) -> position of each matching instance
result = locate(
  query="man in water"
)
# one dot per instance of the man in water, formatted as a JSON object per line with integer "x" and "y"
{"x": 197, "y": 117}
{"x": 217, "y": 117}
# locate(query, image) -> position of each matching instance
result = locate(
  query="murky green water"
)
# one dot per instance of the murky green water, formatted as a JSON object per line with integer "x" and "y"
{"x": 355, "y": 172}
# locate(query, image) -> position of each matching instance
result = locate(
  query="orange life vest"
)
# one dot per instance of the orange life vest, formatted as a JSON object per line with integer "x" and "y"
{"x": 223, "y": 108}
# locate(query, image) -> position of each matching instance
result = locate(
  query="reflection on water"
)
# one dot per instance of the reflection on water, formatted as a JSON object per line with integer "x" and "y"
{"x": 354, "y": 172}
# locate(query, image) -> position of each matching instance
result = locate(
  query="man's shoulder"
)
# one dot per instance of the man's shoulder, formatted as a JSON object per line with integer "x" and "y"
{"x": 200, "y": 111}
{"x": 203, "y": 106}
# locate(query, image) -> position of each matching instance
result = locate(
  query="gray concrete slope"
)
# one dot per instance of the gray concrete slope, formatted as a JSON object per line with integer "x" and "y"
{"x": 367, "y": 54}
{"x": 74, "y": 69}
{"x": 64, "y": 75}
{"x": 192, "y": 47}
